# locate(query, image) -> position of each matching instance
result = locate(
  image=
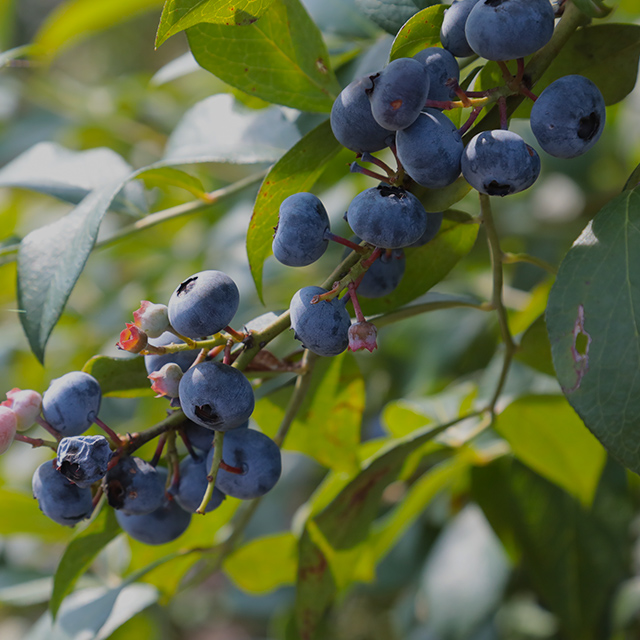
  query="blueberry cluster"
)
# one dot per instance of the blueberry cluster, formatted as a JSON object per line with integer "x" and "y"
{"x": 154, "y": 504}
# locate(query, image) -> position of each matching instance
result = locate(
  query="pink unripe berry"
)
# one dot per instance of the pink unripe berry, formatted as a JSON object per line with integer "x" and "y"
{"x": 132, "y": 339}
{"x": 152, "y": 318}
{"x": 362, "y": 335}
{"x": 8, "y": 424}
{"x": 165, "y": 381}
{"x": 26, "y": 405}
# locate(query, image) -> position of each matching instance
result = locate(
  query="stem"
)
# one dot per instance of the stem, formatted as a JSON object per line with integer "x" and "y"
{"x": 162, "y": 440}
{"x": 513, "y": 258}
{"x": 213, "y": 471}
{"x": 137, "y": 440}
{"x": 238, "y": 336}
{"x": 504, "y": 118}
{"x": 473, "y": 116}
{"x": 367, "y": 157}
{"x": 355, "y": 302}
{"x": 182, "y": 209}
{"x": 117, "y": 441}
{"x": 329, "y": 235}
{"x": 496, "y": 299}
{"x": 418, "y": 309}
{"x": 356, "y": 168}
{"x": 36, "y": 442}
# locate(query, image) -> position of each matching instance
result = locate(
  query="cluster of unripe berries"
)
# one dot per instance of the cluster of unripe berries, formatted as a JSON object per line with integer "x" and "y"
{"x": 154, "y": 504}
{"x": 401, "y": 107}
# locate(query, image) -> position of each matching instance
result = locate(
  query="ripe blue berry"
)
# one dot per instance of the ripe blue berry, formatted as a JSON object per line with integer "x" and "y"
{"x": 167, "y": 523}
{"x": 430, "y": 150}
{"x": 499, "y": 163}
{"x": 399, "y": 93}
{"x": 509, "y": 29}
{"x": 387, "y": 217}
{"x": 71, "y": 403}
{"x": 568, "y": 117}
{"x": 352, "y": 122}
{"x": 322, "y": 327}
{"x": 193, "y": 484}
{"x": 384, "y": 275}
{"x": 441, "y": 66}
{"x": 259, "y": 458}
{"x": 452, "y": 33}
{"x": 184, "y": 359}
{"x": 300, "y": 235}
{"x": 83, "y": 459}
{"x": 202, "y": 437}
{"x": 59, "y": 499}
{"x": 134, "y": 486}
{"x": 434, "y": 222}
{"x": 216, "y": 396}
{"x": 203, "y": 304}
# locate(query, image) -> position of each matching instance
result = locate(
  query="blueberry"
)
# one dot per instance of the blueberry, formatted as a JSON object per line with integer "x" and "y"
{"x": 322, "y": 327}
{"x": 193, "y": 484}
{"x": 134, "y": 486}
{"x": 216, "y": 396}
{"x": 164, "y": 524}
{"x": 434, "y": 222}
{"x": 202, "y": 437}
{"x": 509, "y": 29}
{"x": 184, "y": 359}
{"x": 352, "y": 122}
{"x": 387, "y": 217}
{"x": 259, "y": 458}
{"x": 384, "y": 275}
{"x": 83, "y": 459}
{"x": 71, "y": 403}
{"x": 568, "y": 117}
{"x": 499, "y": 163}
{"x": 441, "y": 66}
{"x": 300, "y": 235}
{"x": 452, "y": 33}
{"x": 203, "y": 304}
{"x": 430, "y": 150}
{"x": 59, "y": 499}
{"x": 399, "y": 93}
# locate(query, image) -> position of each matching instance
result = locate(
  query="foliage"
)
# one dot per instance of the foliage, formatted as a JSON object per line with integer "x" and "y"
{"x": 457, "y": 460}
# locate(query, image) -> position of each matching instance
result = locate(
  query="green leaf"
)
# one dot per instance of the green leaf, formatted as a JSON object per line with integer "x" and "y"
{"x": 593, "y": 8}
{"x": 429, "y": 264}
{"x": 179, "y": 15}
{"x": 94, "y": 613}
{"x": 70, "y": 176}
{"x": 27, "y": 518}
{"x": 80, "y": 553}
{"x": 343, "y": 524}
{"x": 546, "y": 434}
{"x": 296, "y": 171}
{"x": 281, "y": 58}
{"x": 50, "y": 260}
{"x": 76, "y": 20}
{"x": 391, "y": 14}
{"x": 441, "y": 199}
{"x": 534, "y": 349}
{"x": 402, "y": 418}
{"x": 573, "y": 558}
{"x": 592, "y": 319}
{"x": 418, "y": 33}
{"x": 327, "y": 427}
{"x": 219, "y": 129}
{"x": 164, "y": 177}
{"x": 264, "y": 564}
{"x": 593, "y": 52}
{"x": 120, "y": 377}
{"x": 634, "y": 180}
{"x": 7, "y": 57}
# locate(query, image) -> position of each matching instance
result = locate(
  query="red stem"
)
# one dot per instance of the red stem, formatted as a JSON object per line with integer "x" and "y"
{"x": 162, "y": 440}
{"x": 356, "y": 304}
{"x": 47, "y": 427}
{"x": 238, "y": 335}
{"x": 504, "y": 118}
{"x": 356, "y": 168}
{"x": 230, "y": 469}
{"x": 34, "y": 442}
{"x": 227, "y": 352}
{"x": 470, "y": 120}
{"x": 110, "y": 432}
{"x": 347, "y": 243}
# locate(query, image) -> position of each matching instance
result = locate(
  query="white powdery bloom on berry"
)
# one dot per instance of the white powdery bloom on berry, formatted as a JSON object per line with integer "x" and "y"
{"x": 26, "y": 405}
{"x": 165, "y": 382}
{"x": 152, "y": 318}
{"x": 8, "y": 424}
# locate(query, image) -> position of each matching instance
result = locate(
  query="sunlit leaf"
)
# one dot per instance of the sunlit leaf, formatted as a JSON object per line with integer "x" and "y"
{"x": 419, "y": 32}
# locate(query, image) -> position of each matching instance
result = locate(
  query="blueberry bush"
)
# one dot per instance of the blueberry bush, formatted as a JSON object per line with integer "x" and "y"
{"x": 320, "y": 319}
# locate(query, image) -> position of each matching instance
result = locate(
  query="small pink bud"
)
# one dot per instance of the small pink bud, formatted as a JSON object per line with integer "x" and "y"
{"x": 165, "y": 381}
{"x": 152, "y": 318}
{"x": 25, "y": 404}
{"x": 132, "y": 339}
{"x": 362, "y": 335}
{"x": 8, "y": 423}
